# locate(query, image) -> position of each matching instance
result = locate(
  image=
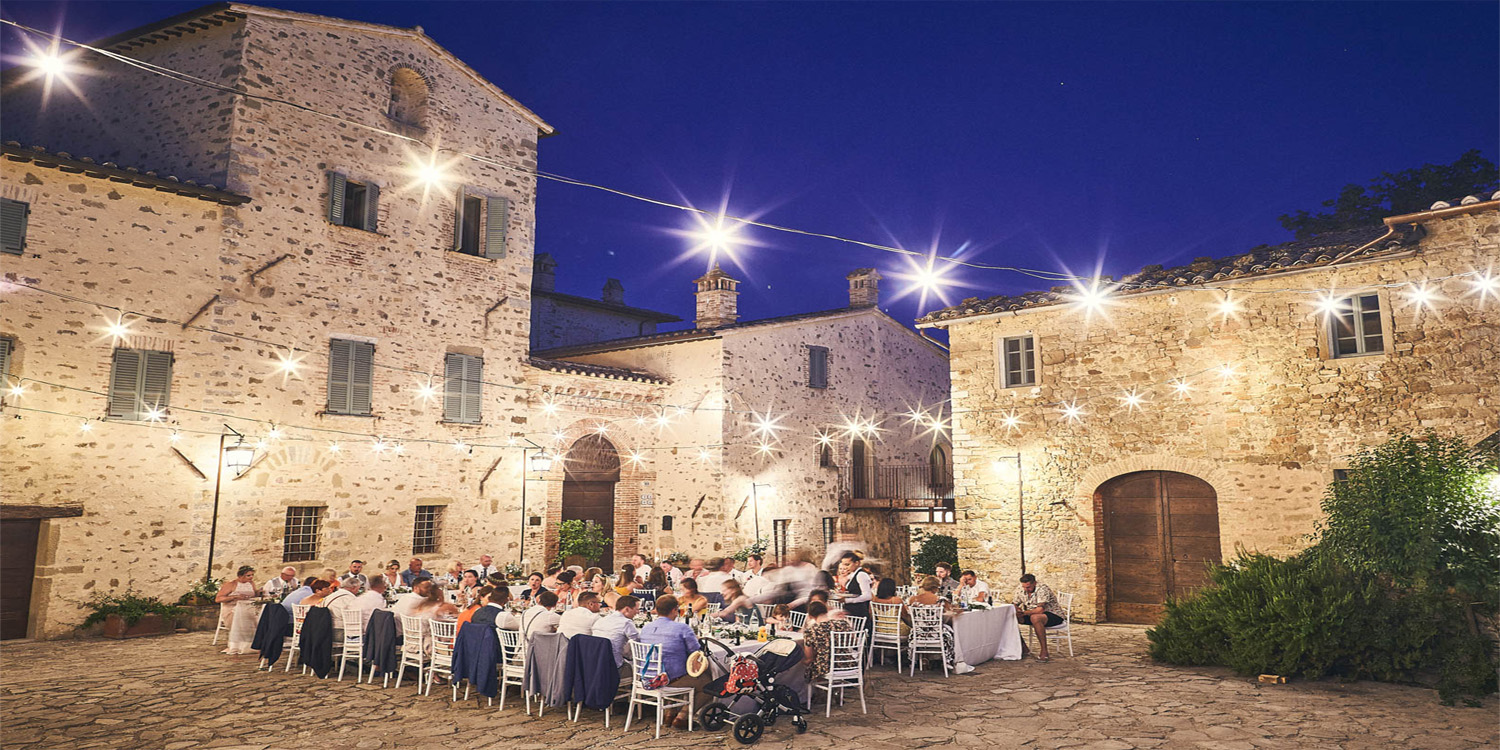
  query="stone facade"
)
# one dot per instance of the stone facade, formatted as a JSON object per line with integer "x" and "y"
{"x": 272, "y": 270}
{"x": 1267, "y": 437}
{"x": 559, "y": 319}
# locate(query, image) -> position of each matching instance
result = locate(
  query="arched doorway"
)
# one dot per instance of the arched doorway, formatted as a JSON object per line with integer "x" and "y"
{"x": 590, "y": 470}
{"x": 1161, "y": 529}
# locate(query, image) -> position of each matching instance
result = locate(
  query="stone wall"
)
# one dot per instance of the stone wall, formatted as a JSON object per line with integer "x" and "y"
{"x": 1267, "y": 439}
{"x": 557, "y": 323}
{"x": 147, "y": 514}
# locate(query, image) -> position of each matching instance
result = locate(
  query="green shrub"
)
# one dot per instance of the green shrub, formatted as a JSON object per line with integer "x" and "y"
{"x": 1393, "y": 589}
{"x": 130, "y": 606}
{"x": 202, "y": 592}
{"x": 585, "y": 539}
{"x": 933, "y": 549}
{"x": 757, "y": 548}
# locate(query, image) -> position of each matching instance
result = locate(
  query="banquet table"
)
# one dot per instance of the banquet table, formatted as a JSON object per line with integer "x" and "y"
{"x": 981, "y": 635}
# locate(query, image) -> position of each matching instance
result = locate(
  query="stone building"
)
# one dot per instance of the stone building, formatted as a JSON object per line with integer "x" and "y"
{"x": 726, "y": 449}
{"x": 186, "y": 265}
{"x": 1113, "y": 439}
{"x": 559, "y": 319}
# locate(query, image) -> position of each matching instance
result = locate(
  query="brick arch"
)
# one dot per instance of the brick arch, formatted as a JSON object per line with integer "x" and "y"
{"x": 1086, "y": 491}
{"x": 634, "y": 479}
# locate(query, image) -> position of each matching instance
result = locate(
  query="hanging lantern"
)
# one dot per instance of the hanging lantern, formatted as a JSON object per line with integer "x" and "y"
{"x": 540, "y": 462}
{"x": 239, "y": 457}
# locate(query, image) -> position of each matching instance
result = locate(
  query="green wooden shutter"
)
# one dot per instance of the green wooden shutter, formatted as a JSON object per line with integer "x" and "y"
{"x": 453, "y": 388}
{"x": 156, "y": 380}
{"x": 13, "y": 215}
{"x": 361, "y": 377}
{"x": 337, "y": 183}
{"x": 5, "y": 346}
{"x": 496, "y": 221}
{"x": 474, "y": 390}
{"x": 458, "y": 221}
{"x": 372, "y": 207}
{"x": 125, "y": 384}
{"x": 339, "y": 356}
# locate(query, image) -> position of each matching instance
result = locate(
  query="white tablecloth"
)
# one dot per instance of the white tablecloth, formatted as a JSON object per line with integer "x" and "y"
{"x": 515, "y": 592}
{"x": 984, "y": 635}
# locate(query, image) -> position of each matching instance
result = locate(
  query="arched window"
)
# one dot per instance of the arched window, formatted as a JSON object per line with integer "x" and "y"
{"x": 942, "y": 470}
{"x": 408, "y": 97}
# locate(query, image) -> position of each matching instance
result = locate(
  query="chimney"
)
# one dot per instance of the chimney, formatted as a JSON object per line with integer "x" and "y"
{"x": 544, "y": 273}
{"x": 718, "y": 299}
{"x": 614, "y": 292}
{"x": 864, "y": 287}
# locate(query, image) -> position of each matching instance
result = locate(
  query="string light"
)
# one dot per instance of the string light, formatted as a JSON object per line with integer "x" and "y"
{"x": 379, "y": 446}
{"x": 155, "y": 414}
{"x": 1227, "y": 370}
{"x": 1072, "y": 412}
{"x": 459, "y": 446}
{"x": 549, "y": 407}
{"x": 703, "y": 455}
{"x": 274, "y": 433}
{"x": 714, "y": 235}
{"x": 1011, "y": 421}
{"x": 1091, "y": 298}
{"x": 1132, "y": 400}
{"x": 1182, "y": 387}
{"x": 398, "y": 448}
{"x": 287, "y": 362}
{"x": 765, "y": 426}
{"x": 334, "y": 448}
{"x": 1329, "y": 304}
{"x": 17, "y": 390}
{"x": 1228, "y": 307}
{"x": 1486, "y": 285}
{"x": 764, "y": 449}
{"x": 636, "y": 459}
{"x": 174, "y": 437}
{"x": 86, "y": 426}
{"x": 118, "y": 329}
{"x": 1422, "y": 297}
{"x": 602, "y": 428}
{"x": 427, "y": 392}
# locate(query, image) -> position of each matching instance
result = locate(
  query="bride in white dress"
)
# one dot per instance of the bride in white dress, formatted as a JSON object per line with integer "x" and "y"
{"x": 236, "y": 611}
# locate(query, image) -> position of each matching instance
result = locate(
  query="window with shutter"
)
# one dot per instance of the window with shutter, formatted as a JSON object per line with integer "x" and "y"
{"x": 6, "y": 346}
{"x": 351, "y": 375}
{"x": 496, "y": 222}
{"x": 1018, "y": 361}
{"x": 470, "y": 217}
{"x": 13, "y": 216}
{"x": 140, "y": 384}
{"x": 353, "y": 204}
{"x": 817, "y": 367}
{"x": 463, "y": 377}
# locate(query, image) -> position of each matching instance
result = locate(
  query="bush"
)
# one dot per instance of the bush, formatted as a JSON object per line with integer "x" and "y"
{"x": 130, "y": 606}
{"x": 1393, "y": 589}
{"x": 933, "y": 549}
{"x": 585, "y": 539}
{"x": 757, "y": 548}
{"x": 202, "y": 592}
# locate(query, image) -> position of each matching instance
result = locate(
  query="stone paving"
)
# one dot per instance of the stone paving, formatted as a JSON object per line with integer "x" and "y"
{"x": 178, "y": 692}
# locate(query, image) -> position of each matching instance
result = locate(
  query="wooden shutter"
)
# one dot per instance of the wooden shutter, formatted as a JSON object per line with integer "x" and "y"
{"x": 474, "y": 389}
{"x": 156, "y": 380}
{"x": 463, "y": 388}
{"x": 339, "y": 356}
{"x": 817, "y": 367}
{"x": 496, "y": 221}
{"x": 351, "y": 376}
{"x": 125, "y": 384}
{"x": 5, "y": 347}
{"x": 13, "y": 215}
{"x": 337, "y": 183}
{"x": 372, "y": 207}
{"x": 458, "y": 220}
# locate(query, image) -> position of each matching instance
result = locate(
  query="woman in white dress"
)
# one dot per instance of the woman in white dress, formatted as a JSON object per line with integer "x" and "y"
{"x": 236, "y": 611}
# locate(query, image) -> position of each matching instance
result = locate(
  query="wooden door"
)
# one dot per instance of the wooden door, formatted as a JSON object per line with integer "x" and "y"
{"x": 1161, "y": 529}
{"x": 590, "y": 472}
{"x": 18, "y": 539}
{"x": 859, "y": 468}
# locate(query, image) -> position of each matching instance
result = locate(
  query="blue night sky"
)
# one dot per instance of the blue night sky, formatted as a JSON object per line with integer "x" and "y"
{"x": 1044, "y": 135}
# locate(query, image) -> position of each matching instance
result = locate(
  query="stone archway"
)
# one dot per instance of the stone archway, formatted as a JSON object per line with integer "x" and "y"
{"x": 591, "y": 468}
{"x": 1160, "y": 530}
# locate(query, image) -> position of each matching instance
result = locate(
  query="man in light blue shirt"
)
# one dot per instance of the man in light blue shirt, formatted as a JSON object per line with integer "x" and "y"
{"x": 297, "y": 596}
{"x": 619, "y": 627}
{"x": 675, "y": 640}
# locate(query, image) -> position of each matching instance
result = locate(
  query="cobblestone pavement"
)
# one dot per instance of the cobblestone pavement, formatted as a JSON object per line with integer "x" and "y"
{"x": 178, "y": 692}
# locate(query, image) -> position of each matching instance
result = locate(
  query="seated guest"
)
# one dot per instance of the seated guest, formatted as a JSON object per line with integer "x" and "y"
{"x": 754, "y": 575}
{"x": 779, "y": 615}
{"x": 619, "y": 627}
{"x": 550, "y": 581}
{"x": 564, "y": 589}
{"x": 356, "y": 571}
{"x": 480, "y": 594}
{"x": 588, "y": 577}
{"x": 695, "y": 569}
{"x": 413, "y": 573}
{"x": 495, "y": 579}
{"x": 816, "y": 642}
{"x": 496, "y": 612}
{"x": 971, "y": 589}
{"x": 689, "y": 600}
{"x": 298, "y": 594}
{"x": 486, "y": 567}
{"x": 735, "y": 600}
{"x": 671, "y": 574}
{"x": 658, "y": 580}
{"x": 639, "y": 565}
{"x": 467, "y": 585}
{"x": 947, "y": 586}
{"x": 607, "y": 594}
{"x": 885, "y": 593}
{"x": 320, "y": 590}
{"x": 675, "y": 640}
{"x": 373, "y": 599}
{"x": 928, "y": 592}
{"x": 282, "y": 584}
{"x": 533, "y": 587}
{"x": 345, "y": 601}
{"x": 455, "y": 574}
{"x": 1038, "y": 607}
{"x": 540, "y": 617}
{"x": 392, "y": 575}
{"x": 406, "y": 604}
{"x": 818, "y": 595}
{"x": 625, "y": 581}
{"x": 581, "y": 618}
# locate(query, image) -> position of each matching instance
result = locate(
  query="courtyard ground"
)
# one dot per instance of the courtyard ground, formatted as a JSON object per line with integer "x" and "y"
{"x": 178, "y": 692}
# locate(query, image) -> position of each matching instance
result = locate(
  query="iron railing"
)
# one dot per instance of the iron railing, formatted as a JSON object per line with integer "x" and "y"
{"x": 911, "y": 487}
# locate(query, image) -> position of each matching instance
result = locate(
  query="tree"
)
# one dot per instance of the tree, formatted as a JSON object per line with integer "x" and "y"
{"x": 933, "y": 549}
{"x": 583, "y": 539}
{"x": 1394, "y": 193}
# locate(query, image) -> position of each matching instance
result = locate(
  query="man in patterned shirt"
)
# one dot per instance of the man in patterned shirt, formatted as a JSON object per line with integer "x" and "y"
{"x": 1037, "y": 605}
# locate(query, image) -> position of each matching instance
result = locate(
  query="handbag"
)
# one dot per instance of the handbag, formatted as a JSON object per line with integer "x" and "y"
{"x": 660, "y": 680}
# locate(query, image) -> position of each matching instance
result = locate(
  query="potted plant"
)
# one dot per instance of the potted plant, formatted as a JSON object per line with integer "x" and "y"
{"x": 131, "y": 615}
{"x": 202, "y": 593}
{"x": 758, "y": 547}
{"x": 580, "y": 542}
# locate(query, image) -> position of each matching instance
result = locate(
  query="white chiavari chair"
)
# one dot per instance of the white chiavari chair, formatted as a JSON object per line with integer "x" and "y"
{"x": 299, "y": 613}
{"x": 846, "y": 668}
{"x": 646, "y": 659}
{"x": 887, "y": 635}
{"x": 927, "y": 635}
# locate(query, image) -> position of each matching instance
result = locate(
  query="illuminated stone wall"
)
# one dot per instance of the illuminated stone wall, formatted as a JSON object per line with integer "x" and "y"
{"x": 1267, "y": 439}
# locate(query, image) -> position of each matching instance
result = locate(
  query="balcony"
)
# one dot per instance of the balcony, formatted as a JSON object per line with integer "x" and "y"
{"x": 917, "y": 487}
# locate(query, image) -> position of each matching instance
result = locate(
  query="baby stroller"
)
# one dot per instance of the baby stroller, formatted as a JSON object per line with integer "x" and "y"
{"x": 741, "y": 678}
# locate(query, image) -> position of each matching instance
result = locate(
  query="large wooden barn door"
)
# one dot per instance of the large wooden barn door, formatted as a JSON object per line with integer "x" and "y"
{"x": 17, "y": 571}
{"x": 1161, "y": 529}
{"x": 590, "y": 471}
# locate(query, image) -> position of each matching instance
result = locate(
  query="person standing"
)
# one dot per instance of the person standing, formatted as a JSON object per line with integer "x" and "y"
{"x": 236, "y": 610}
{"x": 859, "y": 589}
{"x": 1037, "y": 606}
{"x": 486, "y": 567}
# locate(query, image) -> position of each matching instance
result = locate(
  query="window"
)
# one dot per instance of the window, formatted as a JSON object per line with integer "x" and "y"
{"x": 830, "y": 527}
{"x": 781, "y": 538}
{"x": 463, "y": 381}
{"x": 825, "y": 455}
{"x": 13, "y": 216}
{"x": 351, "y": 377}
{"x": 408, "y": 97}
{"x": 1354, "y": 327}
{"x": 300, "y": 542}
{"x": 140, "y": 383}
{"x": 6, "y": 347}
{"x": 424, "y": 535}
{"x": 944, "y": 513}
{"x": 353, "y": 204}
{"x": 941, "y": 477}
{"x": 1340, "y": 475}
{"x": 817, "y": 367}
{"x": 480, "y": 225}
{"x": 1018, "y": 361}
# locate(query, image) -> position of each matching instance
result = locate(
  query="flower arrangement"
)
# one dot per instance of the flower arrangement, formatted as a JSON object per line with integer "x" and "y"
{"x": 203, "y": 592}
{"x": 513, "y": 571}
